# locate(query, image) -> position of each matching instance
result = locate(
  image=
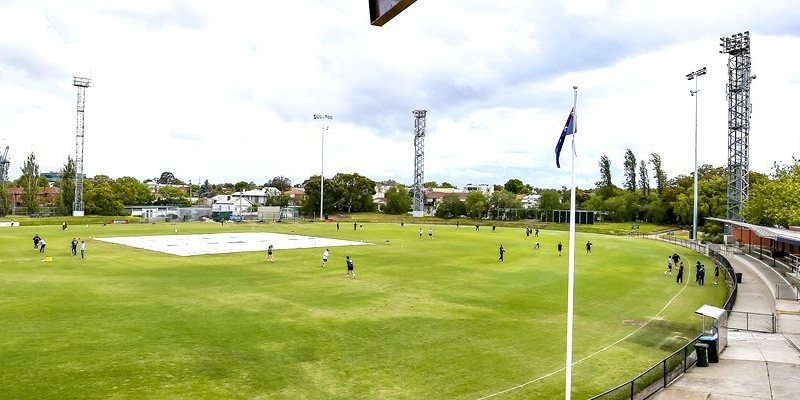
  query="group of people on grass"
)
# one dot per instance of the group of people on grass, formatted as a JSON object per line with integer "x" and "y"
{"x": 40, "y": 244}
{"x": 700, "y": 270}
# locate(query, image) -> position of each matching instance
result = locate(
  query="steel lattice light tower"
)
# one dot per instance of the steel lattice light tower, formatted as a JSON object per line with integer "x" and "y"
{"x": 419, "y": 162}
{"x": 695, "y": 76}
{"x": 77, "y": 205}
{"x": 322, "y": 117}
{"x": 737, "y": 47}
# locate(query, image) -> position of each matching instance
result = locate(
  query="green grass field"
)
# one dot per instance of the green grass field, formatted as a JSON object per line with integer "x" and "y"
{"x": 436, "y": 319}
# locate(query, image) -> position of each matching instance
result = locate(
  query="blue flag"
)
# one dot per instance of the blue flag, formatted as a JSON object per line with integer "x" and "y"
{"x": 569, "y": 129}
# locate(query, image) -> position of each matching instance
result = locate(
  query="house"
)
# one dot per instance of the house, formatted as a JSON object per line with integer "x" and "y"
{"x": 434, "y": 197}
{"x": 235, "y": 204}
{"x": 258, "y": 196}
{"x": 529, "y": 200}
{"x": 296, "y": 196}
{"x": 47, "y": 195}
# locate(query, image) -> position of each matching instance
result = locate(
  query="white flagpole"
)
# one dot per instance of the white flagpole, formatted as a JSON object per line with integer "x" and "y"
{"x": 571, "y": 274}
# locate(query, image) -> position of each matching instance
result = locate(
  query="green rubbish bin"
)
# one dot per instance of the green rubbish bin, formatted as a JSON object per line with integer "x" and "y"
{"x": 702, "y": 354}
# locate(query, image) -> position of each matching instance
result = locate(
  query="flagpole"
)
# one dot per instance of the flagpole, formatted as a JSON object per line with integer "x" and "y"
{"x": 571, "y": 274}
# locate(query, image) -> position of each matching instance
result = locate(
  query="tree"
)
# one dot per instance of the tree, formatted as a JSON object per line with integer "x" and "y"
{"x": 100, "y": 198}
{"x": 644, "y": 179}
{"x": 242, "y": 186}
{"x": 397, "y": 200}
{"x": 630, "y": 170}
{"x": 658, "y": 173}
{"x": 430, "y": 185}
{"x": 605, "y": 188}
{"x": 280, "y": 182}
{"x": 132, "y": 192}
{"x": 353, "y": 192}
{"x": 31, "y": 184}
{"x": 310, "y": 205}
{"x": 206, "y": 190}
{"x": 168, "y": 179}
{"x": 66, "y": 186}
{"x": 448, "y": 185}
{"x": 514, "y": 186}
{"x": 172, "y": 195}
{"x": 475, "y": 204}
{"x": 450, "y": 206}
{"x": 775, "y": 201}
{"x": 549, "y": 200}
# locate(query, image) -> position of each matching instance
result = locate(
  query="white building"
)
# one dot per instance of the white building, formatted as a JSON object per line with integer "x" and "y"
{"x": 486, "y": 189}
{"x": 258, "y": 196}
{"x": 236, "y": 204}
{"x": 530, "y": 200}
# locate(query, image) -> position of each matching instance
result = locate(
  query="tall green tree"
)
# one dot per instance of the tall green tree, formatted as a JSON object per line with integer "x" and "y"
{"x": 397, "y": 200}
{"x": 658, "y": 173}
{"x": 66, "y": 187}
{"x": 514, "y": 186}
{"x": 130, "y": 191}
{"x": 279, "y": 182}
{"x": 100, "y": 197}
{"x": 450, "y": 206}
{"x": 448, "y": 185}
{"x": 629, "y": 166}
{"x": 206, "y": 190}
{"x": 31, "y": 184}
{"x": 172, "y": 195}
{"x": 644, "y": 179}
{"x": 549, "y": 200}
{"x": 476, "y": 204}
{"x": 354, "y": 192}
{"x": 775, "y": 201}
{"x": 167, "y": 178}
{"x": 430, "y": 185}
{"x": 605, "y": 188}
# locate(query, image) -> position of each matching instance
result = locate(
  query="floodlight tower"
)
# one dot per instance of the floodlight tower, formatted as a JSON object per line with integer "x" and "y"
{"x": 4, "y": 169}
{"x": 322, "y": 117}
{"x": 737, "y": 47}
{"x": 419, "y": 162}
{"x": 77, "y": 206}
{"x": 695, "y": 93}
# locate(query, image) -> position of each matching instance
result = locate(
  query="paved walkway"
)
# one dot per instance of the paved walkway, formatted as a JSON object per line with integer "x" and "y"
{"x": 753, "y": 365}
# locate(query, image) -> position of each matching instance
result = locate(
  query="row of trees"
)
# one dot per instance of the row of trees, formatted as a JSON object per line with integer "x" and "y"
{"x": 773, "y": 199}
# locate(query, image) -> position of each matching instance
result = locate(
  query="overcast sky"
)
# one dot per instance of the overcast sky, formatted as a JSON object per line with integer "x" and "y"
{"x": 225, "y": 91}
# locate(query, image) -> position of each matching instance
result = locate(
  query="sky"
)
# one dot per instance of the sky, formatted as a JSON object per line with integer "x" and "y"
{"x": 226, "y": 91}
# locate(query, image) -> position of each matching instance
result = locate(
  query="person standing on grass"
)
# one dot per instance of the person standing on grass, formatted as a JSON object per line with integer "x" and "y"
{"x": 83, "y": 250}
{"x": 42, "y": 243}
{"x": 74, "y": 246}
{"x": 430, "y": 233}
{"x": 36, "y": 240}
{"x": 536, "y": 246}
{"x": 350, "y": 268}
{"x": 355, "y": 226}
{"x": 716, "y": 273}
{"x": 324, "y": 258}
{"x": 588, "y": 247}
{"x": 679, "y": 278}
{"x": 559, "y": 249}
{"x": 420, "y": 233}
{"x": 669, "y": 266}
{"x": 337, "y": 226}
{"x": 269, "y": 253}
{"x": 502, "y": 252}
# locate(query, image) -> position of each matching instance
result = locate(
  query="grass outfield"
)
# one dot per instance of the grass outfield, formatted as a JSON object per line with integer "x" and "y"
{"x": 436, "y": 319}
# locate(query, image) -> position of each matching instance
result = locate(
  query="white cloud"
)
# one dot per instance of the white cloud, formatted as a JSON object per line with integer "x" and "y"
{"x": 226, "y": 92}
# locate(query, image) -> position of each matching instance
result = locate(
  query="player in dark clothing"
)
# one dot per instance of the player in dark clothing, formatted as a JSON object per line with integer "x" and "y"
{"x": 36, "y": 240}
{"x": 559, "y": 249}
{"x": 716, "y": 274}
{"x": 502, "y": 251}
{"x": 588, "y": 247}
{"x": 679, "y": 278}
{"x": 350, "y": 268}
{"x": 74, "y": 246}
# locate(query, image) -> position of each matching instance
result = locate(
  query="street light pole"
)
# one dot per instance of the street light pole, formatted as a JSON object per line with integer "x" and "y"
{"x": 322, "y": 117}
{"x": 695, "y": 76}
